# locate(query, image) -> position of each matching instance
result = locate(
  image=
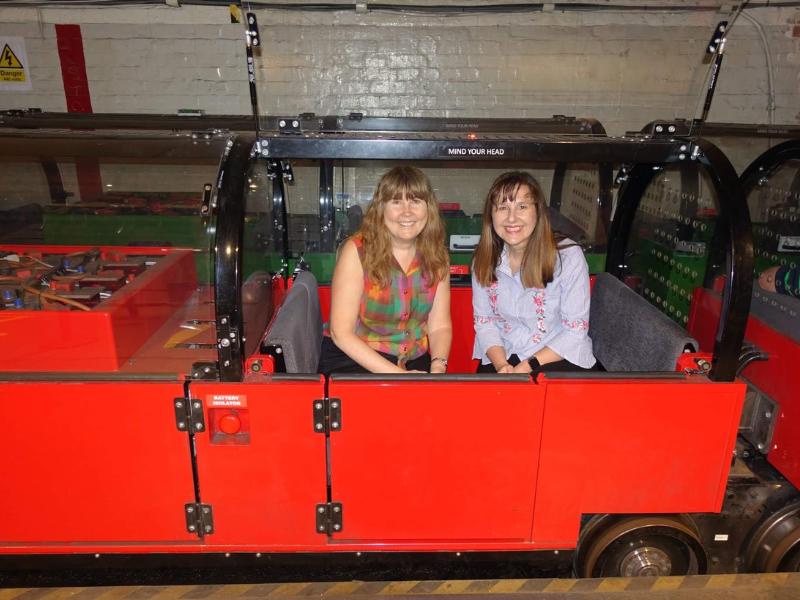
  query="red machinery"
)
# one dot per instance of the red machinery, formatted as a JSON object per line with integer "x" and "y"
{"x": 184, "y": 437}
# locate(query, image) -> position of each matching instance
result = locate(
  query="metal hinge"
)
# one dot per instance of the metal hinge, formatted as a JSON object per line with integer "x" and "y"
{"x": 327, "y": 415}
{"x": 329, "y": 518}
{"x": 199, "y": 519}
{"x": 189, "y": 415}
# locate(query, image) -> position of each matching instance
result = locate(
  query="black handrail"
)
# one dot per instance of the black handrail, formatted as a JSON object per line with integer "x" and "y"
{"x": 228, "y": 256}
{"x": 765, "y": 164}
{"x": 734, "y": 234}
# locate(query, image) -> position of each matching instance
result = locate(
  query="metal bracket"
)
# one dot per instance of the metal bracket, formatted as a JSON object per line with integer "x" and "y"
{"x": 205, "y": 206}
{"x": 286, "y": 168}
{"x": 329, "y": 518}
{"x": 227, "y": 341}
{"x": 759, "y": 417}
{"x": 276, "y": 352}
{"x": 253, "y": 37}
{"x": 189, "y": 415}
{"x": 690, "y": 151}
{"x": 205, "y": 370}
{"x": 199, "y": 519}
{"x": 669, "y": 128}
{"x": 327, "y": 415}
{"x": 290, "y": 125}
{"x": 281, "y": 168}
{"x": 717, "y": 41}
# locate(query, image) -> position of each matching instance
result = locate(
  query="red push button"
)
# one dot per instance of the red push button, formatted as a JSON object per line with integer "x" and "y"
{"x": 230, "y": 424}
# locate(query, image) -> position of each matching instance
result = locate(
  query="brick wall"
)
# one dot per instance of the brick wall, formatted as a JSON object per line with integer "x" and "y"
{"x": 624, "y": 68}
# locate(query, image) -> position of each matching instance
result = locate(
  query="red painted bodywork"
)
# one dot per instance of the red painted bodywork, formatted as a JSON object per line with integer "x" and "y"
{"x": 418, "y": 465}
{"x": 633, "y": 447}
{"x": 108, "y": 335}
{"x": 464, "y": 464}
{"x": 440, "y": 458}
{"x": 775, "y": 376}
{"x": 264, "y": 493}
{"x": 92, "y": 464}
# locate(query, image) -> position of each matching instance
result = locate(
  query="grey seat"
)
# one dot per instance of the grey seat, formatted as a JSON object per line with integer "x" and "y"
{"x": 297, "y": 328}
{"x": 630, "y": 334}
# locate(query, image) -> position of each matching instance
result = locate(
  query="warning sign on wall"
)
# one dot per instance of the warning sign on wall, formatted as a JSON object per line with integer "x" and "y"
{"x": 14, "y": 68}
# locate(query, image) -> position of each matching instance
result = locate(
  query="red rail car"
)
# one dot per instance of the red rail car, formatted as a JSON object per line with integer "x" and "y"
{"x": 212, "y": 434}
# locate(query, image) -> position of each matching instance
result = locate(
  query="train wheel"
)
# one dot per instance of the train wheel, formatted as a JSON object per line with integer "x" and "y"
{"x": 775, "y": 545}
{"x": 641, "y": 547}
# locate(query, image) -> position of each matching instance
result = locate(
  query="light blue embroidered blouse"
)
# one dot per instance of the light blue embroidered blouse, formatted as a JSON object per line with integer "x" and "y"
{"x": 524, "y": 321}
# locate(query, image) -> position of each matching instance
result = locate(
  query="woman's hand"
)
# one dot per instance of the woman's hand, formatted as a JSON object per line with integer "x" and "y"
{"x": 767, "y": 279}
{"x": 523, "y": 367}
{"x": 506, "y": 368}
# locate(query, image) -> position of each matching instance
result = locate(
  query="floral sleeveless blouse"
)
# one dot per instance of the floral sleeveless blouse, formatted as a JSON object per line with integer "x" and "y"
{"x": 394, "y": 319}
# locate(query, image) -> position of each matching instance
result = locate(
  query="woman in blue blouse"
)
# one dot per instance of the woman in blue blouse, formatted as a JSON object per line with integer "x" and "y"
{"x": 530, "y": 288}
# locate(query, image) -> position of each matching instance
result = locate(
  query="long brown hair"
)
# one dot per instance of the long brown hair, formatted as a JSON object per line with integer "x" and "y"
{"x": 378, "y": 259}
{"x": 541, "y": 251}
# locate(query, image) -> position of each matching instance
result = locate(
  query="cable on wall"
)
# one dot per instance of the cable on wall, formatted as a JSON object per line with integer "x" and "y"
{"x": 770, "y": 75}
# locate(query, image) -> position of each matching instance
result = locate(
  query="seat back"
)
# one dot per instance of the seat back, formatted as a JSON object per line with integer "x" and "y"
{"x": 297, "y": 328}
{"x": 630, "y": 334}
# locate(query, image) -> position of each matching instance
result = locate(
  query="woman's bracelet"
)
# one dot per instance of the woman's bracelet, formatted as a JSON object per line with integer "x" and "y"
{"x": 441, "y": 360}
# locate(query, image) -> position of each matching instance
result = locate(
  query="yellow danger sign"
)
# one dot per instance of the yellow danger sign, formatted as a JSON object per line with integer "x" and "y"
{"x": 9, "y": 60}
{"x": 13, "y": 63}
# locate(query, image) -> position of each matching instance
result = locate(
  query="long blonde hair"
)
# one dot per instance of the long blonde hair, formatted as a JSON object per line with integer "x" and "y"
{"x": 541, "y": 251}
{"x": 378, "y": 259}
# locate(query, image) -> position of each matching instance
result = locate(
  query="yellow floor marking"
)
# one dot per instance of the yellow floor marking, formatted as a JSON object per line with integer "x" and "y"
{"x": 559, "y": 585}
{"x": 228, "y": 590}
{"x": 169, "y": 592}
{"x": 455, "y": 586}
{"x": 718, "y": 582}
{"x": 343, "y": 588}
{"x": 774, "y": 579}
{"x": 289, "y": 589}
{"x": 57, "y": 593}
{"x": 398, "y": 587}
{"x": 508, "y": 586}
{"x": 10, "y": 593}
{"x": 667, "y": 583}
{"x": 116, "y": 592}
{"x": 613, "y": 584}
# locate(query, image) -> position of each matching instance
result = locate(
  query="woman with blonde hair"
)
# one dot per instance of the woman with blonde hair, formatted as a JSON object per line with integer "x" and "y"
{"x": 390, "y": 295}
{"x": 530, "y": 288}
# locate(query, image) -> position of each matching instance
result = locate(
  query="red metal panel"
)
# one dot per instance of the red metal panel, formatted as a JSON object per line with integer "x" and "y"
{"x": 435, "y": 462}
{"x": 633, "y": 447}
{"x": 704, "y": 318}
{"x": 264, "y": 492}
{"x": 774, "y": 377}
{"x": 103, "y": 338}
{"x": 92, "y": 463}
